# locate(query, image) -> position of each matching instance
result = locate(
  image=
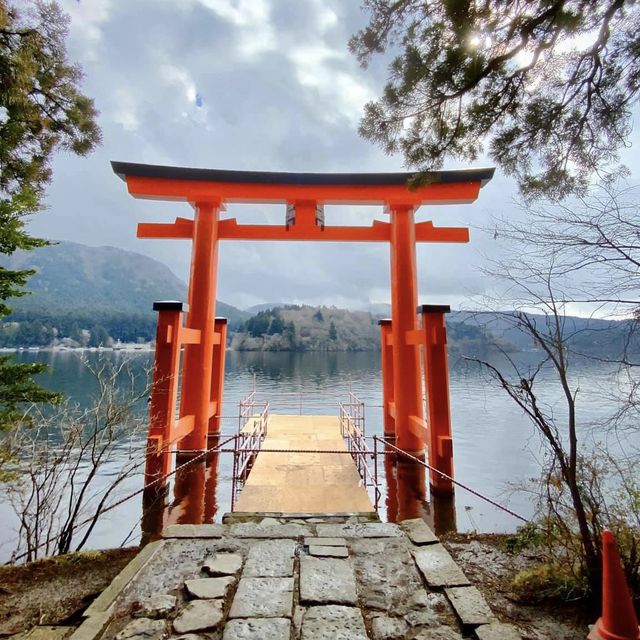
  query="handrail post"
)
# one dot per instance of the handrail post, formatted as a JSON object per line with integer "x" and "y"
{"x": 375, "y": 465}
{"x": 234, "y": 472}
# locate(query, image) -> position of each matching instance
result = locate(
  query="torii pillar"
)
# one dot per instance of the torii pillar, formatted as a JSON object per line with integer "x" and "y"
{"x": 407, "y": 382}
{"x": 198, "y": 365}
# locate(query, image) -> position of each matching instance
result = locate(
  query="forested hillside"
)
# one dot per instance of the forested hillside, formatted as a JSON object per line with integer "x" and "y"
{"x": 306, "y": 328}
{"x": 94, "y": 296}
{"x": 91, "y": 295}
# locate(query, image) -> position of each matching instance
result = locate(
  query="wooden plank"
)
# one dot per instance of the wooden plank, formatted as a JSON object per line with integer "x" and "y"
{"x": 304, "y": 482}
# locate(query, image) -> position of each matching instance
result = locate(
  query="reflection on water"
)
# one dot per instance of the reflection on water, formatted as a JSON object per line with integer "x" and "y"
{"x": 492, "y": 440}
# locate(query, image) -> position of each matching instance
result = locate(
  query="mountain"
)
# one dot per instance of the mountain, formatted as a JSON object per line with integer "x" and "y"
{"x": 306, "y": 328}
{"x": 265, "y": 306}
{"x": 588, "y": 336}
{"x": 80, "y": 279}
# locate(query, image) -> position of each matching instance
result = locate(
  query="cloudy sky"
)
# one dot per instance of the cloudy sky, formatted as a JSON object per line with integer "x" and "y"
{"x": 245, "y": 84}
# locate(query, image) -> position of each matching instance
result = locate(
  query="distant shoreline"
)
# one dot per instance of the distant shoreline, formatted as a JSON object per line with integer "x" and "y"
{"x": 149, "y": 347}
{"x": 143, "y": 346}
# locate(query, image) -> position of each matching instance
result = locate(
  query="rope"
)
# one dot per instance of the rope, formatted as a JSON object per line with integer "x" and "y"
{"x": 459, "y": 484}
{"x": 125, "y": 499}
{"x": 397, "y": 450}
{"x": 219, "y": 448}
{"x": 349, "y": 451}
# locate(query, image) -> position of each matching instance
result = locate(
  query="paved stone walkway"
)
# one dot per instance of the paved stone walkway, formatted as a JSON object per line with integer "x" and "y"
{"x": 294, "y": 580}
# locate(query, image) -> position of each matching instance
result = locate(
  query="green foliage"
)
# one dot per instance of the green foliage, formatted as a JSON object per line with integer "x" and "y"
{"x": 525, "y": 537}
{"x": 41, "y": 111}
{"x": 277, "y": 325}
{"x": 549, "y": 87}
{"x": 39, "y": 89}
{"x": 259, "y": 324}
{"x": 547, "y": 582}
{"x": 17, "y": 388}
{"x": 306, "y": 328}
{"x": 13, "y": 212}
{"x": 611, "y": 493}
{"x": 38, "y": 329}
{"x": 99, "y": 337}
{"x": 290, "y": 334}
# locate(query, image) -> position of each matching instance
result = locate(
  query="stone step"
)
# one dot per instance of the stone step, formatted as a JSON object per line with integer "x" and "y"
{"x": 263, "y": 598}
{"x": 270, "y": 558}
{"x": 331, "y": 622}
{"x": 438, "y": 567}
{"x": 327, "y": 581}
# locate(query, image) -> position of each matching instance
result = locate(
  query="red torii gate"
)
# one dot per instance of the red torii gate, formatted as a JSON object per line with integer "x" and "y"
{"x": 304, "y": 195}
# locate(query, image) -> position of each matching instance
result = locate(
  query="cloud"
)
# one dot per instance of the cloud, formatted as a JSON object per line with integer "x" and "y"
{"x": 251, "y": 19}
{"x": 321, "y": 69}
{"x": 245, "y": 84}
{"x": 87, "y": 19}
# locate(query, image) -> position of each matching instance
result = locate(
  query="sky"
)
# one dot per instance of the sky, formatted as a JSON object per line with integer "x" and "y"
{"x": 247, "y": 85}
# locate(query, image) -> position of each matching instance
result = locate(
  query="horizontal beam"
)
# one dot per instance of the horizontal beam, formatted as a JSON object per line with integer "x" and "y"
{"x": 182, "y": 427}
{"x": 385, "y": 194}
{"x": 418, "y": 427}
{"x": 189, "y": 336}
{"x": 426, "y": 232}
{"x": 124, "y": 169}
{"x": 230, "y": 230}
{"x": 182, "y": 228}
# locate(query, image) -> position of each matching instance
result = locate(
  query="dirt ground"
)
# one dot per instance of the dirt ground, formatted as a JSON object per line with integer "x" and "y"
{"x": 491, "y": 568}
{"x": 55, "y": 591}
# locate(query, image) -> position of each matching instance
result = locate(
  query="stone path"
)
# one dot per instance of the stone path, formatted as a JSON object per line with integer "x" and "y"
{"x": 297, "y": 580}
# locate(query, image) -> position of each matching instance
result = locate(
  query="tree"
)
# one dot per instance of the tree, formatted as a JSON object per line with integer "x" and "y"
{"x": 584, "y": 251}
{"x": 41, "y": 111}
{"x": 333, "y": 333}
{"x": 99, "y": 337}
{"x": 39, "y": 94}
{"x": 548, "y": 87}
{"x": 258, "y": 325}
{"x": 59, "y": 489}
{"x": 290, "y": 334}
{"x": 596, "y": 235}
{"x": 317, "y": 316}
{"x": 277, "y": 325}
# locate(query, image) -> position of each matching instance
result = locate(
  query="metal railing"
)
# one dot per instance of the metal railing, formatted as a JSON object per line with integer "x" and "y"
{"x": 252, "y": 430}
{"x": 352, "y": 428}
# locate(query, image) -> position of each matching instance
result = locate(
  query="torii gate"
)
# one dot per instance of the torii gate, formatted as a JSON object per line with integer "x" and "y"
{"x": 304, "y": 195}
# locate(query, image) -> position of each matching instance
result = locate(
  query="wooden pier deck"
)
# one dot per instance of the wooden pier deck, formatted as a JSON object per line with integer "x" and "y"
{"x": 304, "y": 482}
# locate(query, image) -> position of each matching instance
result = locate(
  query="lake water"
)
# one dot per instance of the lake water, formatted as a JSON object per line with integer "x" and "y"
{"x": 494, "y": 444}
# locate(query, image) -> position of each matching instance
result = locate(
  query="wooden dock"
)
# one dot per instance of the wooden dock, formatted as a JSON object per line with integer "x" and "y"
{"x": 304, "y": 482}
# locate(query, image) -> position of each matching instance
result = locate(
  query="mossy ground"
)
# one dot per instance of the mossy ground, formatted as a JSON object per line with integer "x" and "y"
{"x": 492, "y": 567}
{"x": 55, "y": 591}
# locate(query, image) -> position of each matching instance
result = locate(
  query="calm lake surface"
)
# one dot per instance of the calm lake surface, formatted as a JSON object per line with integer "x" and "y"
{"x": 494, "y": 444}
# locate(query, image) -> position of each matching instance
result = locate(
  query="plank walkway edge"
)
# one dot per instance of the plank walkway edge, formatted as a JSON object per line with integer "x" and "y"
{"x": 98, "y": 614}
